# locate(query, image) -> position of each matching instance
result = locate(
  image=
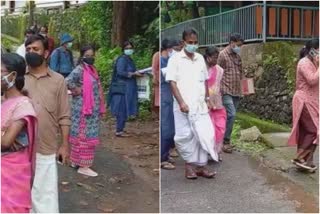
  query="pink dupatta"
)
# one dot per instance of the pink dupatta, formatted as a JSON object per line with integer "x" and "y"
{"x": 17, "y": 168}
{"x": 88, "y": 100}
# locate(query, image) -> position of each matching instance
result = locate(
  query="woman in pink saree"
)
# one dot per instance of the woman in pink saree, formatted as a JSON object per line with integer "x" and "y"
{"x": 18, "y": 127}
{"x": 217, "y": 113}
{"x": 305, "y": 106}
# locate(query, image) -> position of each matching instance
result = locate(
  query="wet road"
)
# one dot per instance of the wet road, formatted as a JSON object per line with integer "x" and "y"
{"x": 241, "y": 185}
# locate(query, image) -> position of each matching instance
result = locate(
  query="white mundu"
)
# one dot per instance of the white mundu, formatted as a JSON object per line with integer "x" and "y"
{"x": 194, "y": 136}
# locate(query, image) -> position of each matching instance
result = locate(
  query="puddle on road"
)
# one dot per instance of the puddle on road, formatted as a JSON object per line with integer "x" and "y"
{"x": 304, "y": 201}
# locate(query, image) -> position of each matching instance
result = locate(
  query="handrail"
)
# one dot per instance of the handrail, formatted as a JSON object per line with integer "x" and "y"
{"x": 282, "y": 22}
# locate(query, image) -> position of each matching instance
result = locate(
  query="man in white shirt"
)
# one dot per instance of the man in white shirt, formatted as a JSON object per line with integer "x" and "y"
{"x": 194, "y": 132}
{"x": 22, "y": 49}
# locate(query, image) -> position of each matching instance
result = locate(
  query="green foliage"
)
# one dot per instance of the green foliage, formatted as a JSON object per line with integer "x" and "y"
{"x": 247, "y": 147}
{"x": 145, "y": 110}
{"x": 248, "y": 120}
{"x": 105, "y": 59}
{"x": 281, "y": 55}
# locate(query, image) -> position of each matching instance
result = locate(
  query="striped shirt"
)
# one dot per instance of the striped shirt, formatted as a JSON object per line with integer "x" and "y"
{"x": 232, "y": 66}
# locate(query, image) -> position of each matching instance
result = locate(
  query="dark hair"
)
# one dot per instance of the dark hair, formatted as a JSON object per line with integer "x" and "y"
{"x": 236, "y": 37}
{"x": 83, "y": 50}
{"x": 15, "y": 62}
{"x": 164, "y": 44}
{"x": 37, "y": 37}
{"x": 313, "y": 43}
{"x": 189, "y": 32}
{"x": 210, "y": 51}
{"x": 125, "y": 44}
{"x": 29, "y": 31}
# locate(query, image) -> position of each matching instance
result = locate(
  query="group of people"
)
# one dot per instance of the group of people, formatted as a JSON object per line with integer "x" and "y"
{"x": 200, "y": 95}
{"x": 36, "y": 109}
{"x": 199, "y": 99}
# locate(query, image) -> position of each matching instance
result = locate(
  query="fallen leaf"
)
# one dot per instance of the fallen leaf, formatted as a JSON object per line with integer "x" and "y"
{"x": 80, "y": 184}
{"x": 65, "y": 182}
{"x": 118, "y": 188}
{"x": 99, "y": 184}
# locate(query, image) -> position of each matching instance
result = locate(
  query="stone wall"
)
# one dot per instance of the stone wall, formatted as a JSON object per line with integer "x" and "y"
{"x": 272, "y": 100}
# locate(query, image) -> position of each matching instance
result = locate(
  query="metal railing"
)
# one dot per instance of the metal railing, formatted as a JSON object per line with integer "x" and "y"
{"x": 281, "y": 22}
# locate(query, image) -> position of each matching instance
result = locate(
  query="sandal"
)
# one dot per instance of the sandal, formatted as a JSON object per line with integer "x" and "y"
{"x": 190, "y": 172}
{"x": 167, "y": 165}
{"x": 227, "y": 148}
{"x": 301, "y": 163}
{"x": 204, "y": 172}
{"x": 87, "y": 171}
{"x": 121, "y": 134}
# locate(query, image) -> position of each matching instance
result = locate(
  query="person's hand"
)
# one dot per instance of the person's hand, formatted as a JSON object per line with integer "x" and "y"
{"x": 184, "y": 108}
{"x": 76, "y": 91}
{"x": 63, "y": 152}
{"x": 210, "y": 104}
{"x": 138, "y": 74}
{"x": 103, "y": 115}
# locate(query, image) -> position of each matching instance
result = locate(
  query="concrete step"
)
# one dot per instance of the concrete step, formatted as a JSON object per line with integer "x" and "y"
{"x": 276, "y": 140}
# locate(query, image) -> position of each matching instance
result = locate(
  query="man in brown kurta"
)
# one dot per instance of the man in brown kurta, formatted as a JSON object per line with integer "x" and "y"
{"x": 48, "y": 91}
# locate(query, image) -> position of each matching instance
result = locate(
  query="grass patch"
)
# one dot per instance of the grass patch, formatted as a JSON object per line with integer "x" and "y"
{"x": 248, "y": 120}
{"x": 246, "y": 147}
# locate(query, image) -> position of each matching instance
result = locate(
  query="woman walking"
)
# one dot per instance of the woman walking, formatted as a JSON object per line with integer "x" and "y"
{"x": 124, "y": 90}
{"x": 217, "y": 113}
{"x": 88, "y": 108}
{"x": 305, "y": 106}
{"x": 18, "y": 134}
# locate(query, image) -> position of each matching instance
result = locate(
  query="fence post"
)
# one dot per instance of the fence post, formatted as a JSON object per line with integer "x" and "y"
{"x": 264, "y": 25}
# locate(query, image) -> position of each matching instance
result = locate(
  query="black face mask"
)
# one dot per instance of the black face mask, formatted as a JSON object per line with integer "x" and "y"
{"x": 88, "y": 60}
{"x": 34, "y": 60}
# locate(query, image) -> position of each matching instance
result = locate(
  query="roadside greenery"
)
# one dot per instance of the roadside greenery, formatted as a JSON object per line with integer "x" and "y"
{"x": 281, "y": 55}
{"x": 244, "y": 121}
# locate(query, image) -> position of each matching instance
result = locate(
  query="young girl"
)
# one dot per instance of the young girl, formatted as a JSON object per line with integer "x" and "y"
{"x": 217, "y": 113}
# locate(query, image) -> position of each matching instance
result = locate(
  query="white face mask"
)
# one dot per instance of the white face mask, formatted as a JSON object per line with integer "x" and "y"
{"x": 9, "y": 84}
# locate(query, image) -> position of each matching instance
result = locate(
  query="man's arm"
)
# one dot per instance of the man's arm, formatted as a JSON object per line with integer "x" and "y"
{"x": 64, "y": 120}
{"x": 176, "y": 93}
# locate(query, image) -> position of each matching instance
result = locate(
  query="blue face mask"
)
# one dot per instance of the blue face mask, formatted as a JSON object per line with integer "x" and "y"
{"x": 236, "y": 49}
{"x": 191, "y": 48}
{"x": 128, "y": 52}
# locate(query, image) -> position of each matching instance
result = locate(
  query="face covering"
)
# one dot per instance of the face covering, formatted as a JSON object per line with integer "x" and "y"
{"x": 9, "y": 84}
{"x": 128, "y": 52}
{"x": 34, "y": 60}
{"x": 69, "y": 45}
{"x": 88, "y": 60}
{"x": 191, "y": 48}
{"x": 236, "y": 49}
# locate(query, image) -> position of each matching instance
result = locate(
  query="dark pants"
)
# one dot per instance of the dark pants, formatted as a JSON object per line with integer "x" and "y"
{"x": 121, "y": 118}
{"x": 231, "y": 104}
{"x": 65, "y": 75}
{"x": 307, "y": 135}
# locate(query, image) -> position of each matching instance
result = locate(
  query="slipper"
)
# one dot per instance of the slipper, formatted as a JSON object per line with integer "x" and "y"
{"x": 167, "y": 165}
{"x": 87, "y": 172}
{"x": 121, "y": 134}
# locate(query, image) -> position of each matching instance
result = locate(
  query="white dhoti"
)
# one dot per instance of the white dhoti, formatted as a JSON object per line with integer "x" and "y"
{"x": 45, "y": 185}
{"x": 194, "y": 137}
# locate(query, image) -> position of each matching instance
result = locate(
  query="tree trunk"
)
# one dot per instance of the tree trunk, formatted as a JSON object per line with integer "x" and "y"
{"x": 121, "y": 22}
{"x": 195, "y": 10}
{"x": 31, "y": 13}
